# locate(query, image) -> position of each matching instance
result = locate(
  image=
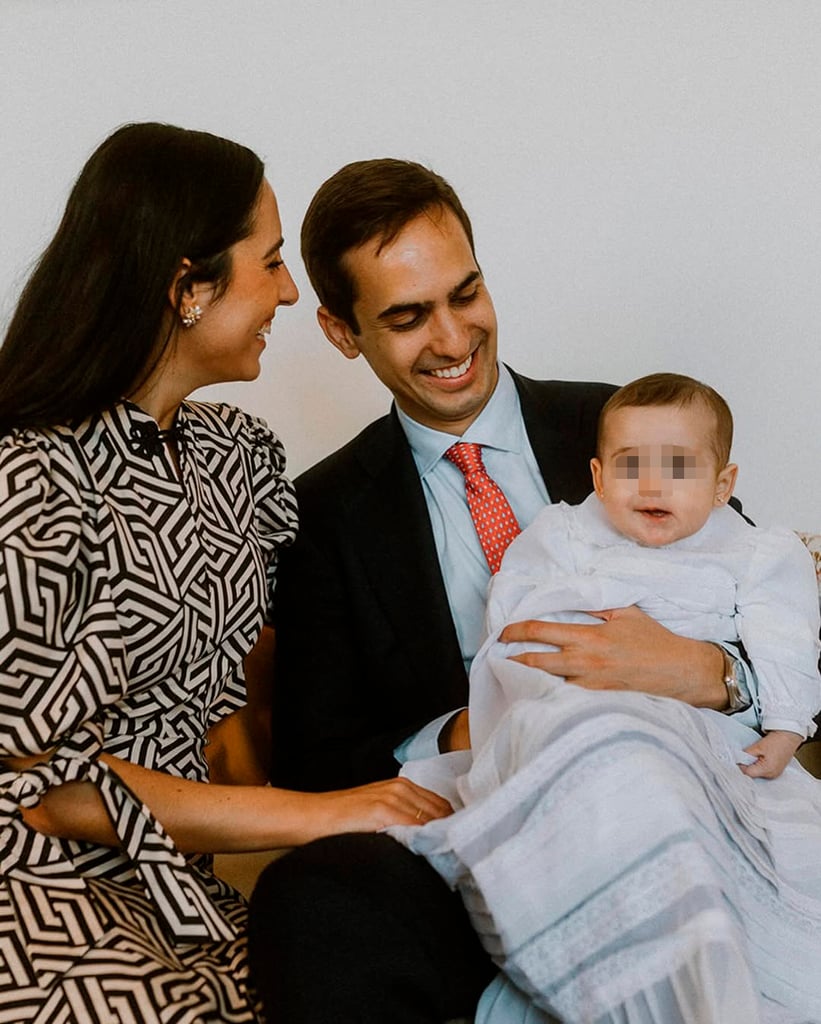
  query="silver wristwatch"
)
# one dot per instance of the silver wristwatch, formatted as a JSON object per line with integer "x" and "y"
{"x": 736, "y": 700}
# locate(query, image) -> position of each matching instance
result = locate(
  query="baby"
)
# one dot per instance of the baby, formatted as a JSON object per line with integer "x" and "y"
{"x": 656, "y": 532}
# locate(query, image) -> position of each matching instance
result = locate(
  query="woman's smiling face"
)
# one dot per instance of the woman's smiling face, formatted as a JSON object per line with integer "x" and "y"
{"x": 227, "y": 342}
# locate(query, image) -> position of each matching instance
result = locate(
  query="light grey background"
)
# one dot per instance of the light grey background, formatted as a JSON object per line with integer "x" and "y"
{"x": 644, "y": 178}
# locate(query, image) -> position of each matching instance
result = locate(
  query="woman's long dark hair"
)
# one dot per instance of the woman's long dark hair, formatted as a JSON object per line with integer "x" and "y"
{"x": 88, "y": 327}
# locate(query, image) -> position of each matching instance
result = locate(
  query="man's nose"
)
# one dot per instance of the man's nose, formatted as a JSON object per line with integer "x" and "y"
{"x": 449, "y": 336}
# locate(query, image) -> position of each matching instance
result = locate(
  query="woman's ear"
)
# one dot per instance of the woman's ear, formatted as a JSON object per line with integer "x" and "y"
{"x": 725, "y": 484}
{"x": 187, "y": 297}
{"x": 179, "y": 291}
{"x": 338, "y": 333}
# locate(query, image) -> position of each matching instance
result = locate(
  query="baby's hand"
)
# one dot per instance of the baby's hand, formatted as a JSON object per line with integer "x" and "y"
{"x": 774, "y": 751}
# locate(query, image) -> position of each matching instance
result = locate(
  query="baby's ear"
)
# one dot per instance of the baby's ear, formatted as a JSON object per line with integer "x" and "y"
{"x": 725, "y": 484}
{"x": 595, "y": 469}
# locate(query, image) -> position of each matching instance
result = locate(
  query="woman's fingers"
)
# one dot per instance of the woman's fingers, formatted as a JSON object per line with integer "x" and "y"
{"x": 380, "y": 804}
{"x": 415, "y": 803}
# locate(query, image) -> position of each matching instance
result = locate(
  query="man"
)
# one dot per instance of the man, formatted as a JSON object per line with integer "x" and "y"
{"x": 380, "y": 601}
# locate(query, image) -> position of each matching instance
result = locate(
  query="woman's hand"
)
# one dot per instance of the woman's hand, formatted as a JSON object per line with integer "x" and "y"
{"x": 372, "y": 807}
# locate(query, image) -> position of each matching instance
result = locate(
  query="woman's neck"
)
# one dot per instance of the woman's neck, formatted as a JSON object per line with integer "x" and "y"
{"x": 160, "y": 397}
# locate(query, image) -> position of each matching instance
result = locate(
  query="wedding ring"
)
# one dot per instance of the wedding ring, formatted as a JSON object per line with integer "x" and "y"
{"x": 419, "y": 814}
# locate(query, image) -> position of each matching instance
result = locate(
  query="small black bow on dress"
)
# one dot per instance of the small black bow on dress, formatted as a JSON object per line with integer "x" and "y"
{"x": 147, "y": 439}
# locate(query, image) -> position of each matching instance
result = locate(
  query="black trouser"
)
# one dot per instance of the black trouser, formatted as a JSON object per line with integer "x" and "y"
{"x": 355, "y": 929}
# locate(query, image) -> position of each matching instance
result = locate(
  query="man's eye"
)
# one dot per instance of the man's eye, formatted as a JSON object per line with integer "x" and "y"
{"x": 405, "y": 325}
{"x": 465, "y": 299}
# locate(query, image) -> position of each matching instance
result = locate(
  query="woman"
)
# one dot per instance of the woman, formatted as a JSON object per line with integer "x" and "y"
{"x": 138, "y": 534}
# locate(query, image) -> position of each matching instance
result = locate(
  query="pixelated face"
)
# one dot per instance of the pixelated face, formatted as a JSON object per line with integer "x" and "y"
{"x": 657, "y": 475}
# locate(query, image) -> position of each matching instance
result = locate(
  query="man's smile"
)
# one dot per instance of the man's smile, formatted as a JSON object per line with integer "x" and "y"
{"x": 453, "y": 371}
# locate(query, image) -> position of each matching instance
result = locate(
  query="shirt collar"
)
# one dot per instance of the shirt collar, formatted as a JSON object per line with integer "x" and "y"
{"x": 498, "y": 426}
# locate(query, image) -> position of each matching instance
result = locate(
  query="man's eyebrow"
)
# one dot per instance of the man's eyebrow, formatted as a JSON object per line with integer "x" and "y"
{"x": 404, "y": 307}
{"x": 274, "y": 249}
{"x": 400, "y": 308}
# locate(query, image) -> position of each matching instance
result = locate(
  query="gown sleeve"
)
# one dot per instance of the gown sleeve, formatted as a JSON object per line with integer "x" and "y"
{"x": 778, "y": 623}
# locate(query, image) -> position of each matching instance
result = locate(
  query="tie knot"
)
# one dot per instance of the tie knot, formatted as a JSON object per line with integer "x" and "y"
{"x": 467, "y": 456}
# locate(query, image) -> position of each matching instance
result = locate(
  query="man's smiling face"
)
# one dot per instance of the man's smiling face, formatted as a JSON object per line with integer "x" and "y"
{"x": 427, "y": 326}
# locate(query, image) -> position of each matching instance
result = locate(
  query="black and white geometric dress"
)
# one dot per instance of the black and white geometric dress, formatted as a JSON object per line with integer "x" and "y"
{"x": 130, "y": 592}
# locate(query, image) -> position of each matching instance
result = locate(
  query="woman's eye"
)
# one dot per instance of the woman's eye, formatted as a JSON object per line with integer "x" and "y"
{"x": 276, "y": 264}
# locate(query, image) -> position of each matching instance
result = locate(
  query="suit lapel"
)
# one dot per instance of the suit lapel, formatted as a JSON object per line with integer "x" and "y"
{"x": 402, "y": 562}
{"x": 561, "y": 434}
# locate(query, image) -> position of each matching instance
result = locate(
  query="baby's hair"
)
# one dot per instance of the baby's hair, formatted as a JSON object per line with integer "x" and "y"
{"x": 674, "y": 389}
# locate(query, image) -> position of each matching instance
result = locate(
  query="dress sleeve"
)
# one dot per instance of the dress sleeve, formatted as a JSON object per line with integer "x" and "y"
{"x": 61, "y": 653}
{"x": 778, "y": 623}
{"x": 273, "y": 493}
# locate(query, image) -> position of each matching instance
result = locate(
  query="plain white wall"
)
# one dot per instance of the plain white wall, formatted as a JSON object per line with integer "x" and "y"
{"x": 644, "y": 178}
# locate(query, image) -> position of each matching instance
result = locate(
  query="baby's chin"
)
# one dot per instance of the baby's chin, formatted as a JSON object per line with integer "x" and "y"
{"x": 655, "y": 542}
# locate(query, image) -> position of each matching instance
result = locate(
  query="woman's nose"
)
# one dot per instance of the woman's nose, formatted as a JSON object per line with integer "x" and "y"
{"x": 288, "y": 293}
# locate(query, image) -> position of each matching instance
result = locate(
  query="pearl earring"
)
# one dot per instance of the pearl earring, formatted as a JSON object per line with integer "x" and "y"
{"x": 190, "y": 315}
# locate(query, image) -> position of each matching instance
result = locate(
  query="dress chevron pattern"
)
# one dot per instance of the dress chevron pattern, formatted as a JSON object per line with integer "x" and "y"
{"x": 131, "y": 589}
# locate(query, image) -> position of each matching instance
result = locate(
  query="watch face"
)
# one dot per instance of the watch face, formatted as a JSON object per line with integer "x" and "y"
{"x": 735, "y": 700}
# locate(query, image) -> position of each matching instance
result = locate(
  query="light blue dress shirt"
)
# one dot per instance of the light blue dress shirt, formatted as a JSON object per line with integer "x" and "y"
{"x": 509, "y": 460}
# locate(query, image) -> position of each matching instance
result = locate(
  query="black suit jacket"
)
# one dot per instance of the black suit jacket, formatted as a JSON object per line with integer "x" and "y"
{"x": 366, "y": 647}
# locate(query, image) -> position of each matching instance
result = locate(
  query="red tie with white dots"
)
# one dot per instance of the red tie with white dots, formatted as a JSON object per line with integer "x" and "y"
{"x": 492, "y": 515}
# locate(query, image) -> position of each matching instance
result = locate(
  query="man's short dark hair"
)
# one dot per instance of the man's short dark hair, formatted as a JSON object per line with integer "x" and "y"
{"x": 366, "y": 200}
{"x": 674, "y": 389}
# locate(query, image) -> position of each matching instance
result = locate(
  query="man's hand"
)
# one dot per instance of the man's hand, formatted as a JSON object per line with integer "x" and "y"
{"x": 455, "y": 734}
{"x": 628, "y": 651}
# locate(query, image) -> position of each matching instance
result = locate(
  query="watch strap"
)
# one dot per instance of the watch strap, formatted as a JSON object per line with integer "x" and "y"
{"x": 736, "y": 701}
